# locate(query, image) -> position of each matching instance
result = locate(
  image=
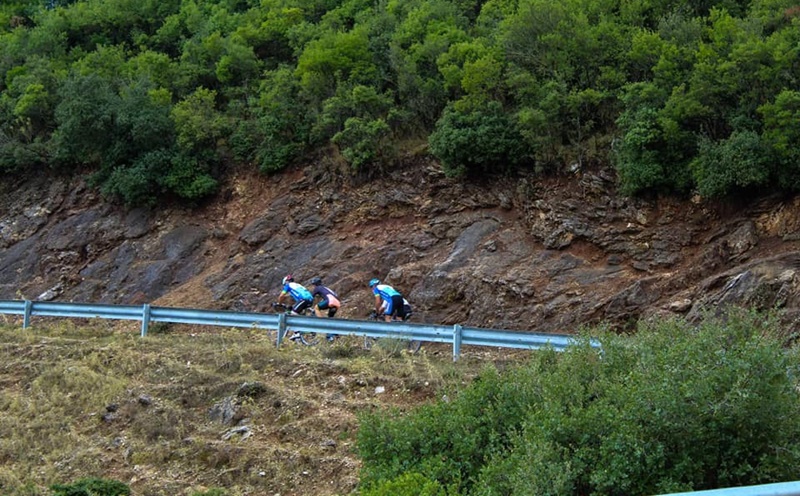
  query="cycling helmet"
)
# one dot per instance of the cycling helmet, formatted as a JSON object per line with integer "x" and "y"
{"x": 288, "y": 278}
{"x": 316, "y": 281}
{"x": 374, "y": 282}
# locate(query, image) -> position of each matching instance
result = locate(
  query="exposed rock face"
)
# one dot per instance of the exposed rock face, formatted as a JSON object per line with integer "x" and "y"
{"x": 526, "y": 253}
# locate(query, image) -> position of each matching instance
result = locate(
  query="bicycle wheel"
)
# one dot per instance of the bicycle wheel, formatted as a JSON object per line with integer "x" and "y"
{"x": 309, "y": 338}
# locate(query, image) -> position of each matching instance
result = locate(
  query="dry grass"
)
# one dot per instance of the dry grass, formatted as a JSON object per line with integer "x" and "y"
{"x": 99, "y": 401}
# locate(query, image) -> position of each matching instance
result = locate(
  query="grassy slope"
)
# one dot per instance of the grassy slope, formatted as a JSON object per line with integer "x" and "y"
{"x": 99, "y": 401}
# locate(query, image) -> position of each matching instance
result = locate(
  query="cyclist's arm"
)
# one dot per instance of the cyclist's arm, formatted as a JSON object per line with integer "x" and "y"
{"x": 378, "y": 303}
{"x": 282, "y": 297}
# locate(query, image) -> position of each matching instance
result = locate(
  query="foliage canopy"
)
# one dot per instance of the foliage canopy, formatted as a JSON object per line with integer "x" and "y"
{"x": 153, "y": 95}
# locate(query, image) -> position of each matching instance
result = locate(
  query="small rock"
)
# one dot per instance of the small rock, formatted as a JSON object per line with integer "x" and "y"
{"x": 243, "y": 430}
{"x": 681, "y": 306}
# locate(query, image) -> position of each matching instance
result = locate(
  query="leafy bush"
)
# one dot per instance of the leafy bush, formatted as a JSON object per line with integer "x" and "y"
{"x": 277, "y": 133}
{"x": 158, "y": 173}
{"x": 410, "y": 484}
{"x": 781, "y": 135}
{"x": 92, "y": 487}
{"x": 361, "y": 141}
{"x": 677, "y": 407}
{"x": 481, "y": 138}
{"x": 448, "y": 442}
{"x": 652, "y": 152}
{"x": 724, "y": 167}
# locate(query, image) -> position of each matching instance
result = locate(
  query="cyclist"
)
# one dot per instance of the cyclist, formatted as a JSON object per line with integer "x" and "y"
{"x": 301, "y": 296}
{"x": 392, "y": 298}
{"x": 406, "y": 308}
{"x": 329, "y": 300}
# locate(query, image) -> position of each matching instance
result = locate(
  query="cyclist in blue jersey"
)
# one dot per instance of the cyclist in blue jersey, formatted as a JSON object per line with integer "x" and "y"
{"x": 406, "y": 307}
{"x": 388, "y": 300}
{"x": 301, "y": 296}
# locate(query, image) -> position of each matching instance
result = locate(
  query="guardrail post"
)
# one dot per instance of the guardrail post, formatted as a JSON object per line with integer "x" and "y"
{"x": 145, "y": 318}
{"x": 26, "y": 319}
{"x": 456, "y": 341}
{"x": 281, "y": 328}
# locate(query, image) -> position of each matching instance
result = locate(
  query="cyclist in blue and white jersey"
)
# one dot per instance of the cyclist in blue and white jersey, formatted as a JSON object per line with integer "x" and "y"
{"x": 387, "y": 299}
{"x": 406, "y": 307}
{"x": 301, "y": 296}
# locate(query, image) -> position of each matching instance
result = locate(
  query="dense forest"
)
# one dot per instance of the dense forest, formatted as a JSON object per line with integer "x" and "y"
{"x": 156, "y": 99}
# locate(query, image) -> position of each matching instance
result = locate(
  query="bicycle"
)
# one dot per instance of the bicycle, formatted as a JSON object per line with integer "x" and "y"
{"x": 412, "y": 345}
{"x": 305, "y": 338}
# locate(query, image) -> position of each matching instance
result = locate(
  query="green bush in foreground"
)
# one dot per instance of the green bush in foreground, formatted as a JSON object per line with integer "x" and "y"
{"x": 674, "y": 408}
{"x": 92, "y": 487}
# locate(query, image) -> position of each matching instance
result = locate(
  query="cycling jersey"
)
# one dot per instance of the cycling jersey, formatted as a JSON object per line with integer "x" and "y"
{"x": 297, "y": 291}
{"x": 385, "y": 292}
{"x": 392, "y": 298}
{"x": 329, "y": 297}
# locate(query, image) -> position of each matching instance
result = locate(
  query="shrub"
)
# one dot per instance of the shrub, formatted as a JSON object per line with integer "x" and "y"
{"x": 410, "y": 484}
{"x": 723, "y": 168}
{"x": 448, "y": 442}
{"x": 362, "y": 141}
{"x": 478, "y": 139}
{"x": 92, "y": 487}
{"x": 677, "y": 407}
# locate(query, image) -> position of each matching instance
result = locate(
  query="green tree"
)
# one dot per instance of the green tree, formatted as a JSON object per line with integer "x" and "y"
{"x": 781, "y": 135}
{"x": 654, "y": 151}
{"x": 362, "y": 141}
{"x": 729, "y": 166}
{"x": 84, "y": 116}
{"x": 477, "y": 140}
{"x": 425, "y": 31}
{"x": 277, "y": 132}
{"x": 362, "y": 102}
{"x": 334, "y": 57}
{"x": 197, "y": 122}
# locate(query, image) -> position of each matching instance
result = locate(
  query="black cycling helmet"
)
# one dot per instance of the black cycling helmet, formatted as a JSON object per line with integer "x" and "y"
{"x": 316, "y": 281}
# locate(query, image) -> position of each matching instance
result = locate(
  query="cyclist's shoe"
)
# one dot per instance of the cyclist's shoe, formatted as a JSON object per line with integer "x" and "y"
{"x": 296, "y": 337}
{"x": 330, "y": 337}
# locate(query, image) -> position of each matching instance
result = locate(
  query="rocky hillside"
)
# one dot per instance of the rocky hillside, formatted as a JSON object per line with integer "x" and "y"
{"x": 519, "y": 253}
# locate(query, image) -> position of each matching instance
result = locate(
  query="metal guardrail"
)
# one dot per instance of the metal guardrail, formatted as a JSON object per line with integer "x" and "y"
{"x": 457, "y": 335}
